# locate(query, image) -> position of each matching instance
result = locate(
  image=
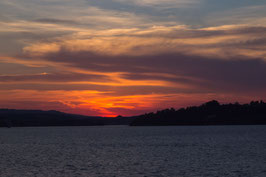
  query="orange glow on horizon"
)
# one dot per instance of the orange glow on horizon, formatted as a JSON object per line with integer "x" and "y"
{"x": 95, "y": 103}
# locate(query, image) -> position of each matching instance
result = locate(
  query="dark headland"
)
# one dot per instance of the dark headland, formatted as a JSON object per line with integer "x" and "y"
{"x": 39, "y": 118}
{"x": 210, "y": 113}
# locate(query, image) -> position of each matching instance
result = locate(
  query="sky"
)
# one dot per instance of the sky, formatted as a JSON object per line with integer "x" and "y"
{"x": 129, "y": 57}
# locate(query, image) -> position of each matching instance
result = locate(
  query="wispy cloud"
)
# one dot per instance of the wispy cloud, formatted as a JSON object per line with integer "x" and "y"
{"x": 120, "y": 56}
{"x": 222, "y": 42}
{"x": 162, "y": 4}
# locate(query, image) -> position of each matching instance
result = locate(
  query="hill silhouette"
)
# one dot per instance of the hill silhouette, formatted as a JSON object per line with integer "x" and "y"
{"x": 33, "y": 118}
{"x": 210, "y": 113}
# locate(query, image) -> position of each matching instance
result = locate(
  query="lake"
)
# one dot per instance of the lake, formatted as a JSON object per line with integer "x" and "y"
{"x": 106, "y": 151}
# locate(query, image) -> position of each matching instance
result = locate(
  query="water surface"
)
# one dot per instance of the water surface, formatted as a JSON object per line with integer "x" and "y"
{"x": 188, "y": 151}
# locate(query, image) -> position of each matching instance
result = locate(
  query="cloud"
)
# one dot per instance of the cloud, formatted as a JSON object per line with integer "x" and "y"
{"x": 158, "y": 3}
{"x": 54, "y": 77}
{"x": 119, "y": 55}
{"x": 222, "y": 42}
{"x": 225, "y": 59}
{"x": 56, "y": 21}
{"x": 251, "y": 14}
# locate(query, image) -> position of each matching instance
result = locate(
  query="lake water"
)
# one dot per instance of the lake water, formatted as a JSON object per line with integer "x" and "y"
{"x": 234, "y": 151}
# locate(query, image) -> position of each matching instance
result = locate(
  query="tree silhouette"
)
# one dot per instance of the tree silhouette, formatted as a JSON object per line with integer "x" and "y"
{"x": 210, "y": 113}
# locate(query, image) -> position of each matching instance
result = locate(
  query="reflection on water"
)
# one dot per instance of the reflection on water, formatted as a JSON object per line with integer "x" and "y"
{"x": 134, "y": 151}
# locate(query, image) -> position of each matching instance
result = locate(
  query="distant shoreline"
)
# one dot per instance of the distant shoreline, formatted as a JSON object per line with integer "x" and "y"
{"x": 208, "y": 114}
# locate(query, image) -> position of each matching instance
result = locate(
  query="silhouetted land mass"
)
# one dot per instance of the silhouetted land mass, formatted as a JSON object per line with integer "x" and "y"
{"x": 210, "y": 113}
{"x": 33, "y": 118}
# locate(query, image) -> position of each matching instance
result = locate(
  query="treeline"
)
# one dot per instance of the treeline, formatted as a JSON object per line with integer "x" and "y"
{"x": 210, "y": 113}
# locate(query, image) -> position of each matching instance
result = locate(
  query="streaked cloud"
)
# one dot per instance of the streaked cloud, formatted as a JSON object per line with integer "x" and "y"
{"x": 128, "y": 57}
{"x": 221, "y": 41}
{"x": 160, "y": 4}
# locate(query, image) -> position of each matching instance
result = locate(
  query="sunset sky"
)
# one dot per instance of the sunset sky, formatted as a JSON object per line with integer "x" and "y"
{"x": 128, "y": 57}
